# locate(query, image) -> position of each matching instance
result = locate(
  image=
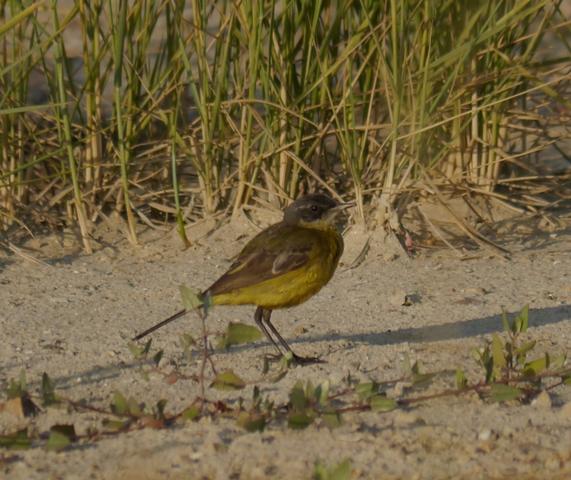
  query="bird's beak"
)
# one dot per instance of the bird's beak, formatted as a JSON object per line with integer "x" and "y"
{"x": 341, "y": 208}
{"x": 344, "y": 206}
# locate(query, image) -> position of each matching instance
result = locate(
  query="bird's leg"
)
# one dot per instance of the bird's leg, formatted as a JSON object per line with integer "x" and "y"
{"x": 258, "y": 318}
{"x": 266, "y": 315}
{"x": 296, "y": 358}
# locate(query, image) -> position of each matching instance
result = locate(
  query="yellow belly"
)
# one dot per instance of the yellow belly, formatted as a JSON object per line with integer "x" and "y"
{"x": 291, "y": 288}
{"x": 287, "y": 290}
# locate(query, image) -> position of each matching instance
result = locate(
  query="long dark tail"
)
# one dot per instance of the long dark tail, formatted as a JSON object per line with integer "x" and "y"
{"x": 160, "y": 324}
{"x": 204, "y": 297}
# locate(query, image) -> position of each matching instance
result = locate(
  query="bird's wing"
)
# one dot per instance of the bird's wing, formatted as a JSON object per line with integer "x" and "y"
{"x": 274, "y": 252}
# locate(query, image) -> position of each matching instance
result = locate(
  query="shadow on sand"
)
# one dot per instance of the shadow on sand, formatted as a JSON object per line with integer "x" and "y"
{"x": 453, "y": 330}
{"x": 429, "y": 333}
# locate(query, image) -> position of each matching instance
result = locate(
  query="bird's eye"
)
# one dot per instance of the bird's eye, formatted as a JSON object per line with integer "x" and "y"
{"x": 314, "y": 208}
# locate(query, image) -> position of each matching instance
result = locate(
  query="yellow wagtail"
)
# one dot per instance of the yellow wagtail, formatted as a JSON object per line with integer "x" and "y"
{"x": 282, "y": 266}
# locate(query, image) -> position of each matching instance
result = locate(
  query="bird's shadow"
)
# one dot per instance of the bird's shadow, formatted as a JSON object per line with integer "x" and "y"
{"x": 447, "y": 331}
{"x": 429, "y": 333}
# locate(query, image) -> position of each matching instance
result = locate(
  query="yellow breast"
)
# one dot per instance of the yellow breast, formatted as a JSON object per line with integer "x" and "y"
{"x": 296, "y": 286}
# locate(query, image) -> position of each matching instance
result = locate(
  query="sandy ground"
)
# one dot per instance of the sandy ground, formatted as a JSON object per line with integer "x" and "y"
{"x": 73, "y": 319}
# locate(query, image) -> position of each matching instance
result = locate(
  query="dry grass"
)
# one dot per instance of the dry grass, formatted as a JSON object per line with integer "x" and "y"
{"x": 166, "y": 112}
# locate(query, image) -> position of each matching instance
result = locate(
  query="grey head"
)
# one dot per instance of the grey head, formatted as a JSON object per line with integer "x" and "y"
{"x": 314, "y": 210}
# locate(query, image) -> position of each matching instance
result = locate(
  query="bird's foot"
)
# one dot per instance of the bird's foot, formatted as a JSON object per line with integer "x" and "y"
{"x": 297, "y": 360}
{"x": 273, "y": 357}
{"x": 290, "y": 359}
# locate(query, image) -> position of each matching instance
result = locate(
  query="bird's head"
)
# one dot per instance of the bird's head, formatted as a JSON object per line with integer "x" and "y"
{"x": 314, "y": 211}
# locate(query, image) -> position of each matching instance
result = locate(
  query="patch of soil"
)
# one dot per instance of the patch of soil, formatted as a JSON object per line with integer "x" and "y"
{"x": 73, "y": 318}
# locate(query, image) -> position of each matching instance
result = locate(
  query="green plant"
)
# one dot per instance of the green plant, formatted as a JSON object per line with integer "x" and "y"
{"x": 236, "y": 105}
{"x": 509, "y": 374}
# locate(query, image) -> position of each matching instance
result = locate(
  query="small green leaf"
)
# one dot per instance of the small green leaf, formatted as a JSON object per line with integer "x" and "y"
{"x": 522, "y": 352}
{"x": 17, "y": 388}
{"x": 498, "y": 351}
{"x": 484, "y": 357}
{"x": 526, "y": 347}
{"x": 119, "y": 406}
{"x": 186, "y": 341}
{"x": 366, "y": 389}
{"x": 332, "y": 419}
{"x": 309, "y": 391}
{"x": 47, "y": 391}
{"x": 228, "y": 380}
{"x": 535, "y": 367}
{"x": 523, "y": 319}
{"x": 498, "y": 355}
{"x": 16, "y": 441}
{"x": 251, "y": 422}
{"x": 116, "y": 425}
{"x": 380, "y": 403}
{"x": 191, "y": 413}
{"x": 287, "y": 361}
{"x": 505, "y": 321}
{"x": 299, "y": 420}
{"x": 157, "y": 357}
{"x": 322, "y": 393}
{"x": 265, "y": 365}
{"x": 256, "y": 395}
{"x": 139, "y": 351}
{"x": 238, "y": 333}
{"x": 566, "y": 380}
{"x": 461, "y": 380}
{"x": 502, "y": 393}
{"x": 159, "y": 409}
{"x": 558, "y": 361}
{"x": 190, "y": 298}
{"x": 297, "y": 398}
{"x": 147, "y": 348}
{"x": 134, "y": 408}
{"x": 341, "y": 471}
{"x": 419, "y": 379}
{"x": 60, "y": 437}
{"x": 320, "y": 471}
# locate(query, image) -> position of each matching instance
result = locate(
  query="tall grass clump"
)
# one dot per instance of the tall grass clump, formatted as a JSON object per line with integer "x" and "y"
{"x": 173, "y": 111}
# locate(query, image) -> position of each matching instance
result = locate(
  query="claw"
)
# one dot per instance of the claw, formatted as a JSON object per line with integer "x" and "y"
{"x": 306, "y": 360}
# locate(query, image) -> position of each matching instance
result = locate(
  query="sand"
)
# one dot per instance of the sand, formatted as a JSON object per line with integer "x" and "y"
{"x": 73, "y": 316}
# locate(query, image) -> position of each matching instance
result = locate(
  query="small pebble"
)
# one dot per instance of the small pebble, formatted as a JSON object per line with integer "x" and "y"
{"x": 485, "y": 435}
{"x": 407, "y": 419}
{"x": 543, "y": 400}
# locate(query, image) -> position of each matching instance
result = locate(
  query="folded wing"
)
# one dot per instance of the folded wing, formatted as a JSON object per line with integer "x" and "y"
{"x": 271, "y": 254}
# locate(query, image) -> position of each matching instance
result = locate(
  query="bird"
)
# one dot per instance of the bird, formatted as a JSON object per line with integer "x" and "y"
{"x": 282, "y": 266}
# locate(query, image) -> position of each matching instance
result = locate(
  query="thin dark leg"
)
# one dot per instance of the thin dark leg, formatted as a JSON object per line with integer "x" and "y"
{"x": 299, "y": 360}
{"x": 258, "y": 319}
{"x": 266, "y": 317}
